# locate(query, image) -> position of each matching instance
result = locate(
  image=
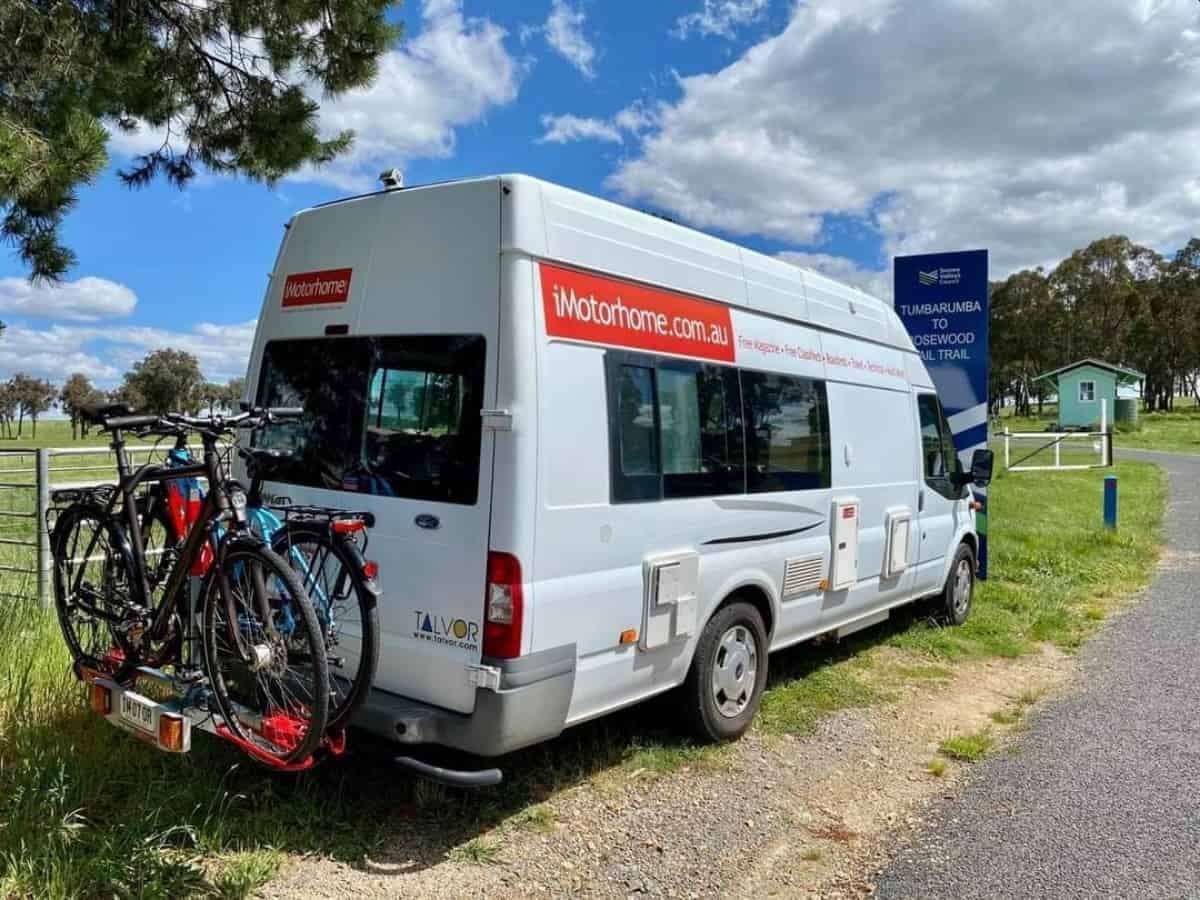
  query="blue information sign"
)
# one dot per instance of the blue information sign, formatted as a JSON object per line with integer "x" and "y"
{"x": 942, "y": 298}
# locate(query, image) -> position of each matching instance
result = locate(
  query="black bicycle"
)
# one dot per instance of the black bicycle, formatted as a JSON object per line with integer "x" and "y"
{"x": 325, "y": 547}
{"x": 262, "y": 656}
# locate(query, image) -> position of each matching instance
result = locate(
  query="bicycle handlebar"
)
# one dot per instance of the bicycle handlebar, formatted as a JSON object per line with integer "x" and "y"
{"x": 175, "y": 423}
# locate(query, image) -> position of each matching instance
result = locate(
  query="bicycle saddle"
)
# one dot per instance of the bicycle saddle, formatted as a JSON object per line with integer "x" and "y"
{"x": 97, "y": 413}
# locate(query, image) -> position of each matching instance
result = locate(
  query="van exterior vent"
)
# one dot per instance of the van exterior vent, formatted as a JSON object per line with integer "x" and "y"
{"x": 802, "y": 575}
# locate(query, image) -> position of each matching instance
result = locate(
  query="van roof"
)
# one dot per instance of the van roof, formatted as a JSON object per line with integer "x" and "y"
{"x": 550, "y": 221}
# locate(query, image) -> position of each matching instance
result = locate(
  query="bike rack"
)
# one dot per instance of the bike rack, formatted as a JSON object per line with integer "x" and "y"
{"x": 189, "y": 710}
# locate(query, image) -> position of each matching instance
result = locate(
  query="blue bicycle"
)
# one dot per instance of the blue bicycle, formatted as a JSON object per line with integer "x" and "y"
{"x": 325, "y": 547}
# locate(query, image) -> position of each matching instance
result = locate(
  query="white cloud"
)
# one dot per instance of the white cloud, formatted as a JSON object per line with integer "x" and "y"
{"x": 566, "y": 128}
{"x": 105, "y": 354}
{"x": 841, "y": 268}
{"x": 52, "y": 353}
{"x": 564, "y": 33}
{"x": 720, "y": 18}
{"x": 450, "y": 75}
{"x": 1028, "y": 128}
{"x": 223, "y": 350}
{"x": 87, "y": 299}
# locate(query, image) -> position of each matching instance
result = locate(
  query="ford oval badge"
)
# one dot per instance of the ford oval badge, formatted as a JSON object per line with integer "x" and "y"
{"x": 425, "y": 520}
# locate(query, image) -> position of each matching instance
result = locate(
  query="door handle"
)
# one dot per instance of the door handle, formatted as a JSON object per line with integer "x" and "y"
{"x": 921, "y": 500}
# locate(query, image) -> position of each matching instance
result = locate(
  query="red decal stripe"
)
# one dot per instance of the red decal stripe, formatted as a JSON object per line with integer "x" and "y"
{"x": 601, "y": 310}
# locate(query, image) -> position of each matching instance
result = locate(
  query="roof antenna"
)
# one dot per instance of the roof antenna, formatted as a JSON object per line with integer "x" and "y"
{"x": 393, "y": 179}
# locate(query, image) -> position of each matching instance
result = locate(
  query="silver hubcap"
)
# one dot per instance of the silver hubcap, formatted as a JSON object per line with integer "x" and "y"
{"x": 962, "y": 587}
{"x": 735, "y": 667}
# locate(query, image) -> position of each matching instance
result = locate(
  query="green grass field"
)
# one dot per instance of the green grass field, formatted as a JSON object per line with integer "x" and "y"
{"x": 86, "y": 811}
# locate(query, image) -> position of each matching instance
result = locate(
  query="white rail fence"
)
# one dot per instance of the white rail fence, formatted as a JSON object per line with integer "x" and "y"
{"x": 28, "y": 476}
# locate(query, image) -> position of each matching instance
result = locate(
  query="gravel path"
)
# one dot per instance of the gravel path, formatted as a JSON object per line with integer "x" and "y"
{"x": 1102, "y": 797}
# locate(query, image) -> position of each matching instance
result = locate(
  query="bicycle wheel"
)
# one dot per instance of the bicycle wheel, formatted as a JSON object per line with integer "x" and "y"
{"x": 160, "y": 542}
{"x": 332, "y": 575}
{"x": 92, "y": 569}
{"x": 160, "y": 546}
{"x": 268, "y": 670}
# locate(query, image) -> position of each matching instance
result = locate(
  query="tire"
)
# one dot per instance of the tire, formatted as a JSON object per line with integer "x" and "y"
{"x": 954, "y": 603}
{"x": 731, "y": 656}
{"x": 159, "y": 542}
{"x": 290, "y": 689}
{"x": 346, "y": 609}
{"x": 91, "y": 558}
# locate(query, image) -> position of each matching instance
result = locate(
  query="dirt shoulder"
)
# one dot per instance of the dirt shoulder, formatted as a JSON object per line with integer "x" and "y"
{"x": 770, "y": 816}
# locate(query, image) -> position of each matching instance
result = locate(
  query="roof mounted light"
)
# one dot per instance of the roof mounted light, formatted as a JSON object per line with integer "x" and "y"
{"x": 392, "y": 179}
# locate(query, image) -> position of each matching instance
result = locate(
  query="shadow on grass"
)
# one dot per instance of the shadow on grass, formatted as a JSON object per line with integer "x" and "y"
{"x": 85, "y": 807}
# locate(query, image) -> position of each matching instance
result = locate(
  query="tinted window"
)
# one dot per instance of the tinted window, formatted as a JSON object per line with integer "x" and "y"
{"x": 787, "y": 433}
{"x": 395, "y": 416}
{"x": 676, "y": 430}
{"x": 700, "y": 430}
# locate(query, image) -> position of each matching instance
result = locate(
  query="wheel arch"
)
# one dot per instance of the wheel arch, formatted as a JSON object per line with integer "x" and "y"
{"x": 758, "y": 595}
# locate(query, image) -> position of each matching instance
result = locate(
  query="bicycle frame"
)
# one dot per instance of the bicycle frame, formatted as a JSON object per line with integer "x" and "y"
{"x": 215, "y": 508}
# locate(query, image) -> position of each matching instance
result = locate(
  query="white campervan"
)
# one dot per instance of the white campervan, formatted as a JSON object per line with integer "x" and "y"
{"x": 608, "y": 455}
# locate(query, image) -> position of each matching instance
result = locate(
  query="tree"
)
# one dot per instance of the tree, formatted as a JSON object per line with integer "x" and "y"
{"x": 228, "y": 83}
{"x": 212, "y": 394}
{"x": 234, "y": 391}
{"x": 77, "y": 393}
{"x": 34, "y": 396}
{"x": 165, "y": 381}
{"x": 8, "y": 406}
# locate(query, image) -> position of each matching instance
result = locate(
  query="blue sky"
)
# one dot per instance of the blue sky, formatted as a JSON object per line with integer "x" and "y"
{"x": 835, "y": 133}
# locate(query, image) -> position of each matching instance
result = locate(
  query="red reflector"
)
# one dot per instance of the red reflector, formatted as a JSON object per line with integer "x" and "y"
{"x": 848, "y": 512}
{"x": 504, "y": 607}
{"x": 371, "y": 569}
{"x": 348, "y": 526}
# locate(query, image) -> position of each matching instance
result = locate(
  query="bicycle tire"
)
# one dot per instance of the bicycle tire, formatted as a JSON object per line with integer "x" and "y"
{"x": 290, "y": 725}
{"x": 356, "y": 639}
{"x": 105, "y": 648}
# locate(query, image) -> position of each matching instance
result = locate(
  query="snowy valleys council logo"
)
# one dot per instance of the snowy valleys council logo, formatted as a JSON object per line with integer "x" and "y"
{"x": 450, "y": 632}
{"x": 944, "y": 276}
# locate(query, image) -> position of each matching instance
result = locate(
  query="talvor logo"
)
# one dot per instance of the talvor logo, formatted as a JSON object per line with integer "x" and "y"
{"x": 453, "y": 632}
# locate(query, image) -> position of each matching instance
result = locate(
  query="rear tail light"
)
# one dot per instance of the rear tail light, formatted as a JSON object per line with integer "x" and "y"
{"x": 348, "y": 526}
{"x": 100, "y": 699}
{"x": 170, "y": 732}
{"x": 504, "y": 607}
{"x": 371, "y": 569}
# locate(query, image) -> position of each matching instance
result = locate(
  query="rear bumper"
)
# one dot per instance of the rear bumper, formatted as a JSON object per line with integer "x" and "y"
{"x": 529, "y": 706}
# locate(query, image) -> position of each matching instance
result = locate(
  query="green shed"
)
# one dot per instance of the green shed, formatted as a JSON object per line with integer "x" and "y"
{"x": 1082, "y": 385}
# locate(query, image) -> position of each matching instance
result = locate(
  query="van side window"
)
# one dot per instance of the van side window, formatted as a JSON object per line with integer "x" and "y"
{"x": 787, "y": 433}
{"x": 939, "y": 458}
{"x": 637, "y": 436}
{"x": 675, "y": 428}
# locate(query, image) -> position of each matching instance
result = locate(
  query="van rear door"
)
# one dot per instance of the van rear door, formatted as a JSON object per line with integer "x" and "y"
{"x": 393, "y": 420}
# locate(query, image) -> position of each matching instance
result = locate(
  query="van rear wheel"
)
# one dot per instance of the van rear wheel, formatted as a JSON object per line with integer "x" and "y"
{"x": 959, "y": 591}
{"x": 728, "y": 673}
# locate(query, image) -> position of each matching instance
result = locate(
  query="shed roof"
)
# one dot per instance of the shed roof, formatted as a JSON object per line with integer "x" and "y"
{"x": 1123, "y": 374}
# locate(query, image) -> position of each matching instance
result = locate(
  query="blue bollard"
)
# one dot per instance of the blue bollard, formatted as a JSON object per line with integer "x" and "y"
{"x": 1110, "y": 501}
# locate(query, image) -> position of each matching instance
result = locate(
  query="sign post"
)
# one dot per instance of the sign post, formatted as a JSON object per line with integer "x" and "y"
{"x": 942, "y": 298}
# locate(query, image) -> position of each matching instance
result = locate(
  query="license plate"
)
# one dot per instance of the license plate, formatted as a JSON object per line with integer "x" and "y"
{"x": 138, "y": 711}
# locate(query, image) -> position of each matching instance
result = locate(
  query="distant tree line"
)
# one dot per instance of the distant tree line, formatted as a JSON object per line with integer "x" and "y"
{"x": 1113, "y": 300}
{"x": 165, "y": 381}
